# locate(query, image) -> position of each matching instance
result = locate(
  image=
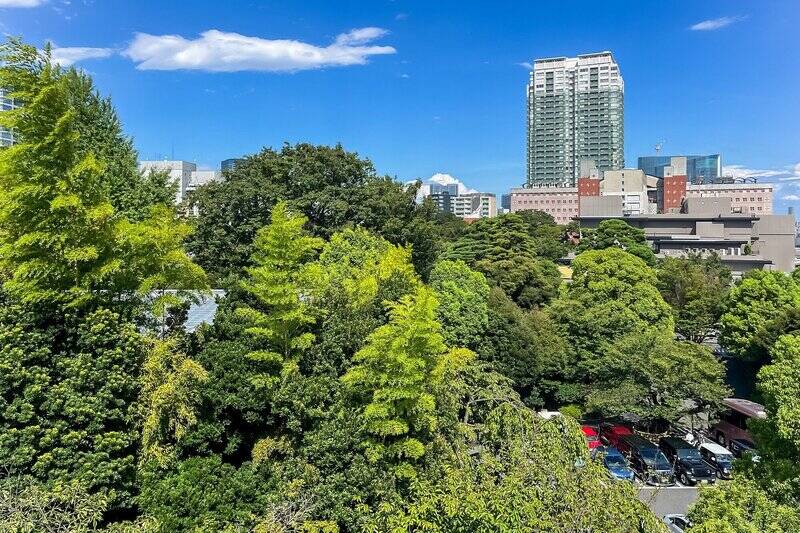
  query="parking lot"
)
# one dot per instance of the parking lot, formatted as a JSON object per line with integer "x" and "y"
{"x": 668, "y": 500}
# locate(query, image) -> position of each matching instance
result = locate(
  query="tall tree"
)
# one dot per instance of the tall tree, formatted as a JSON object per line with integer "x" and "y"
{"x": 760, "y": 298}
{"x": 394, "y": 380}
{"x": 56, "y": 223}
{"x": 332, "y": 187}
{"x": 462, "y": 294}
{"x": 281, "y": 319}
{"x": 695, "y": 287}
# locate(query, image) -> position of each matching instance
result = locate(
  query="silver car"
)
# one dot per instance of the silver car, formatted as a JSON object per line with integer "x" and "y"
{"x": 677, "y": 523}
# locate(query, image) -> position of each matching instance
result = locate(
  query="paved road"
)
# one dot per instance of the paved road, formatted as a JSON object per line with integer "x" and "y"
{"x": 668, "y": 500}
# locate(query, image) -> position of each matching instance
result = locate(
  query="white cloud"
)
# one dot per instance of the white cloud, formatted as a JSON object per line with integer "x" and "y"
{"x": 67, "y": 56}
{"x": 791, "y": 197}
{"x": 740, "y": 171}
{"x": 218, "y": 51}
{"x": 715, "y": 24}
{"x": 526, "y": 65}
{"x": 21, "y": 3}
{"x": 442, "y": 179}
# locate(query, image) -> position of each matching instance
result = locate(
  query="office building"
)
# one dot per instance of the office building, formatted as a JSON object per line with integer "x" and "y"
{"x": 475, "y": 205}
{"x": 228, "y": 164}
{"x": 750, "y": 197}
{"x": 6, "y": 104}
{"x": 699, "y": 168}
{"x": 559, "y": 202}
{"x": 183, "y": 173}
{"x": 575, "y": 112}
{"x": 743, "y": 241}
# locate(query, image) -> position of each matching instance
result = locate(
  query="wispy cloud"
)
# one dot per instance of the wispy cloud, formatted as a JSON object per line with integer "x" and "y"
{"x": 21, "y": 3}
{"x": 217, "y": 51}
{"x": 715, "y": 24}
{"x": 401, "y": 16}
{"x": 67, "y": 55}
{"x": 525, "y": 65}
{"x": 789, "y": 175}
{"x": 791, "y": 197}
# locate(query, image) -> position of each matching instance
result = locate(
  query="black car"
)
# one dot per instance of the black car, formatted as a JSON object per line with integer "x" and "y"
{"x": 719, "y": 458}
{"x": 645, "y": 458}
{"x": 690, "y": 468}
{"x": 743, "y": 448}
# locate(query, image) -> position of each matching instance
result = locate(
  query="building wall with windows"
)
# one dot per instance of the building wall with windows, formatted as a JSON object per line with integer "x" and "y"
{"x": 561, "y": 203}
{"x": 6, "y": 104}
{"x": 575, "y": 112}
{"x": 755, "y": 198}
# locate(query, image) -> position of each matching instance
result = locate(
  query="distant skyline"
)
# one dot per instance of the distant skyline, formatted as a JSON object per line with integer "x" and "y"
{"x": 424, "y": 88}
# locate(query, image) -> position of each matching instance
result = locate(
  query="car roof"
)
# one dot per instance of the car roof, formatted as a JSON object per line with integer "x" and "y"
{"x": 744, "y": 442}
{"x": 588, "y": 430}
{"x": 637, "y": 441}
{"x": 715, "y": 448}
{"x": 676, "y": 442}
{"x": 746, "y": 407}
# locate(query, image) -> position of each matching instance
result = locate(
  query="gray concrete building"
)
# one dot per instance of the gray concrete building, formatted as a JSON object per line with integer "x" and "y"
{"x": 575, "y": 112}
{"x": 742, "y": 241}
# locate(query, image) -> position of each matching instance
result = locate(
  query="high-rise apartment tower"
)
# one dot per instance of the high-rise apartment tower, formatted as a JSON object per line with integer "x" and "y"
{"x": 575, "y": 112}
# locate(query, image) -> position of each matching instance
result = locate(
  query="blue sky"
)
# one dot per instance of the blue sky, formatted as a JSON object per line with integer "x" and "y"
{"x": 427, "y": 87}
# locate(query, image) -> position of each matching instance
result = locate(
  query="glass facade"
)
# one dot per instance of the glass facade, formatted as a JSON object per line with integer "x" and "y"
{"x": 700, "y": 169}
{"x": 575, "y": 112}
{"x": 228, "y": 164}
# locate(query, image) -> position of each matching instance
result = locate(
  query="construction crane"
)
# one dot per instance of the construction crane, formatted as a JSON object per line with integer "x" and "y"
{"x": 659, "y": 146}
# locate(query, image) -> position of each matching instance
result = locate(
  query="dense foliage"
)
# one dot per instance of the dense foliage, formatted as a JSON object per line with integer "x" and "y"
{"x": 373, "y": 365}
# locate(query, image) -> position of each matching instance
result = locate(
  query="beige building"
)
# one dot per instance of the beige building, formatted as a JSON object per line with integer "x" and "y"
{"x": 755, "y": 198}
{"x": 474, "y": 205}
{"x": 183, "y": 173}
{"x": 631, "y": 185}
{"x": 559, "y": 202}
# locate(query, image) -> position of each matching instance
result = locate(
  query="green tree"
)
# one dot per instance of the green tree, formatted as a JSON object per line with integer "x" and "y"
{"x": 696, "y": 288}
{"x": 514, "y": 252}
{"x": 282, "y": 319}
{"x": 67, "y": 399}
{"x": 526, "y": 347}
{"x": 394, "y": 379}
{"x": 131, "y": 193}
{"x": 333, "y": 188}
{"x": 56, "y": 224}
{"x": 524, "y": 474}
{"x": 655, "y": 377}
{"x": 753, "y": 303}
{"x": 741, "y": 507}
{"x": 463, "y": 310}
{"x": 616, "y": 233}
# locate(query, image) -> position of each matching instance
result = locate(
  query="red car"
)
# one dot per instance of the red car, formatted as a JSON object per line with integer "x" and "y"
{"x": 611, "y": 433}
{"x": 592, "y": 438}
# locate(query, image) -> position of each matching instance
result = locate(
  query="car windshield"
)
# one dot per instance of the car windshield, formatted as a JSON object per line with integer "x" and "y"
{"x": 689, "y": 453}
{"x": 725, "y": 459}
{"x": 616, "y": 461}
{"x": 655, "y": 458}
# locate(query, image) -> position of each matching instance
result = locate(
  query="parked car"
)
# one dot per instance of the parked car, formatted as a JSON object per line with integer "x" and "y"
{"x": 743, "y": 448}
{"x": 615, "y": 462}
{"x": 687, "y": 462}
{"x": 677, "y": 523}
{"x": 719, "y": 458}
{"x": 592, "y": 438}
{"x": 611, "y": 433}
{"x": 647, "y": 460}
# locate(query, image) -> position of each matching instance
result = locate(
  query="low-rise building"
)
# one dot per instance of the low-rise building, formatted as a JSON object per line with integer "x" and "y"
{"x": 743, "y": 241}
{"x": 745, "y": 197}
{"x": 559, "y": 202}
